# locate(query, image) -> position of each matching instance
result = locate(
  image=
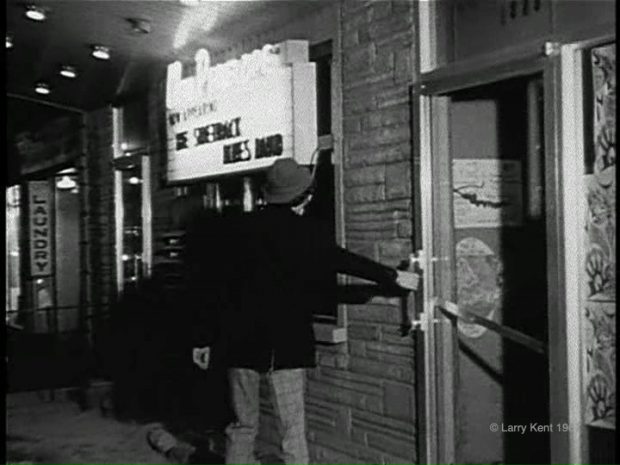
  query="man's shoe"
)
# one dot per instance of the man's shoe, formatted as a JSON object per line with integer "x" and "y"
{"x": 161, "y": 440}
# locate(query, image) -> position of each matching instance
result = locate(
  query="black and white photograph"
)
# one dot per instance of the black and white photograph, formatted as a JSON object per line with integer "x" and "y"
{"x": 310, "y": 232}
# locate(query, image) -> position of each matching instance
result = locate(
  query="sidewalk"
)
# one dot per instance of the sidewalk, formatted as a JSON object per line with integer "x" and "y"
{"x": 40, "y": 431}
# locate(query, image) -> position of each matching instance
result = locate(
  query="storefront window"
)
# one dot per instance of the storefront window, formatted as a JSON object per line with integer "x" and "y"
{"x": 12, "y": 253}
{"x": 132, "y": 197}
{"x": 323, "y": 205}
{"x": 130, "y": 233}
{"x": 132, "y": 224}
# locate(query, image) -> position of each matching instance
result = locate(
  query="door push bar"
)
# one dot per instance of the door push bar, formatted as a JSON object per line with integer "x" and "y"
{"x": 452, "y": 309}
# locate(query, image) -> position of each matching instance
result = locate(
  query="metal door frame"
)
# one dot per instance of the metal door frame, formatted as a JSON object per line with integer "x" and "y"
{"x": 555, "y": 60}
{"x": 439, "y": 332}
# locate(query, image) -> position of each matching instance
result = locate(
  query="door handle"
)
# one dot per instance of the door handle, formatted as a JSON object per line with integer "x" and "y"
{"x": 426, "y": 319}
{"x": 417, "y": 258}
{"x": 423, "y": 322}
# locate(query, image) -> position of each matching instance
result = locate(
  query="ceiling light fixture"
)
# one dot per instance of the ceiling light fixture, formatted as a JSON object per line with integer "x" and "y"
{"x": 42, "y": 88}
{"x": 68, "y": 71}
{"x": 100, "y": 52}
{"x": 35, "y": 13}
{"x": 9, "y": 41}
{"x": 66, "y": 183}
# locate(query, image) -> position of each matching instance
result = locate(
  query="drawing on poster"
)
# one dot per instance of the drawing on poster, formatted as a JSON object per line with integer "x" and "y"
{"x": 599, "y": 272}
{"x": 487, "y": 193}
{"x": 479, "y": 283}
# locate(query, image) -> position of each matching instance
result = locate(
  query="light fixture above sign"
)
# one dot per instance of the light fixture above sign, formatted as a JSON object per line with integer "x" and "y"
{"x": 9, "y": 41}
{"x": 101, "y": 52}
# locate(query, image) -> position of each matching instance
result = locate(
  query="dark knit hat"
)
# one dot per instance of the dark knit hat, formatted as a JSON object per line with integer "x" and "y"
{"x": 286, "y": 180}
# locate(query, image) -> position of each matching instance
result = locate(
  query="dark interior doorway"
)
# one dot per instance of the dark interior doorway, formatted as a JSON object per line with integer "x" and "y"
{"x": 497, "y": 151}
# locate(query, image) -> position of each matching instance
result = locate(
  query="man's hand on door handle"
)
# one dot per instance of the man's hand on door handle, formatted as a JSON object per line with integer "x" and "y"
{"x": 408, "y": 280}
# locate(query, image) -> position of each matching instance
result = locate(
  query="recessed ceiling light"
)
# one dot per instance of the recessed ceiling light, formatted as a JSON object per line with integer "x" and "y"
{"x": 35, "y": 13}
{"x": 9, "y": 41}
{"x": 100, "y": 52}
{"x": 68, "y": 71}
{"x": 42, "y": 88}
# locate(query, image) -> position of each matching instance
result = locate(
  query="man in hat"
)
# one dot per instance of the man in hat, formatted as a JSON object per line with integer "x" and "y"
{"x": 280, "y": 267}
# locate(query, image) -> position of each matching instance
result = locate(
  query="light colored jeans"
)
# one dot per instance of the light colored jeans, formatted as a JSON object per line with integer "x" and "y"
{"x": 287, "y": 397}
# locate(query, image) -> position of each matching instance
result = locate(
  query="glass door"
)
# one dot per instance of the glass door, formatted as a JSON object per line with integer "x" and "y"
{"x": 485, "y": 266}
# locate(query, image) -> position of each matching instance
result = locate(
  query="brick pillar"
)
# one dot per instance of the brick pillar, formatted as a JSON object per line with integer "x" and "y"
{"x": 361, "y": 398}
{"x": 99, "y": 185}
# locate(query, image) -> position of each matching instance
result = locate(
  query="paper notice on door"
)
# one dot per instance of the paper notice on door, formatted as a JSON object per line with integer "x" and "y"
{"x": 487, "y": 193}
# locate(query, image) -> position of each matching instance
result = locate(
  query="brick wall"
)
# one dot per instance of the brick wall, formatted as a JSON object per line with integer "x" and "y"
{"x": 361, "y": 397}
{"x": 98, "y": 185}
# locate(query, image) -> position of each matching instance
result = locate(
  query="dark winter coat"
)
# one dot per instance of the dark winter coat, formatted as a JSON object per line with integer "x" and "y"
{"x": 261, "y": 277}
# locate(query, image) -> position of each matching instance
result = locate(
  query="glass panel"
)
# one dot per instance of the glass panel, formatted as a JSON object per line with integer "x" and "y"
{"x": 322, "y": 57}
{"x": 496, "y": 154}
{"x": 132, "y": 224}
{"x": 323, "y": 205}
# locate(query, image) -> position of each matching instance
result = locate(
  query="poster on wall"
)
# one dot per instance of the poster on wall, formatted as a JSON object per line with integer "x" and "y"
{"x": 487, "y": 193}
{"x": 40, "y": 228}
{"x": 479, "y": 283}
{"x": 240, "y": 115}
{"x": 599, "y": 272}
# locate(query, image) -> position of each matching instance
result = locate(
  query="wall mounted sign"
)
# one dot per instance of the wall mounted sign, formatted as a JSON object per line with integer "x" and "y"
{"x": 238, "y": 116}
{"x": 40, "y": 228}
{"x": 487, "y": 193}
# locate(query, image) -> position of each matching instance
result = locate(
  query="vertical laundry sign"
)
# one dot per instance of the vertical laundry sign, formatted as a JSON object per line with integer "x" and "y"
{"x": 40, "y": 227}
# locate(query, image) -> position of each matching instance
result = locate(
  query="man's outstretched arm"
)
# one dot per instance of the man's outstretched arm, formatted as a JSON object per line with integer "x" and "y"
{"x": 350, "y": 263}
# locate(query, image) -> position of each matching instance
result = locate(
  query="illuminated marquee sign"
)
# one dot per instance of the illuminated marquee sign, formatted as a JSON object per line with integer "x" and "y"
{"x": 242, "y": 114}
{"x": 39, "y": 208}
